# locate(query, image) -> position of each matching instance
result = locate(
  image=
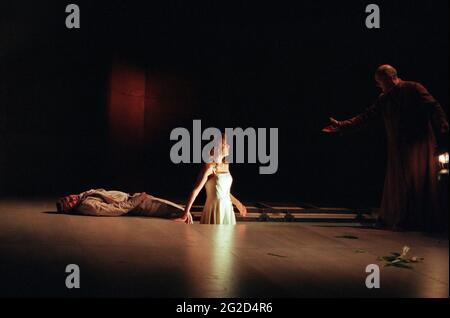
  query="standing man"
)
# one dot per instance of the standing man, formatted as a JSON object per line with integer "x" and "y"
{"x": 417, "y": 132}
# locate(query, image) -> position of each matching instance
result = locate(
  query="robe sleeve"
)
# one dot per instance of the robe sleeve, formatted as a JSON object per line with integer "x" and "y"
{"x": 437, "y": 116}
{"x": 371, "y": 113}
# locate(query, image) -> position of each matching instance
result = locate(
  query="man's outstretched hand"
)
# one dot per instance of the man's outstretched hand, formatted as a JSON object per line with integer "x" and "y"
{"x": 333, "y": 127}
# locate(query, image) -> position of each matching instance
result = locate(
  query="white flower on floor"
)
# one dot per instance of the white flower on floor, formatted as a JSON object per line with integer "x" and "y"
{"x": 405, "y": 251}
{"x": 400, "y": 260}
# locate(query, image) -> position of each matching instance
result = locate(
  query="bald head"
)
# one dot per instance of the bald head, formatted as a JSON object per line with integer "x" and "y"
{"x": 386, "y": 77}
{"x": 386, "y": 70}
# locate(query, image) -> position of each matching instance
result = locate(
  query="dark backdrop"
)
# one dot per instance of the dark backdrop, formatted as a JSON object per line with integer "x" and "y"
{"x": 289, "y": 65}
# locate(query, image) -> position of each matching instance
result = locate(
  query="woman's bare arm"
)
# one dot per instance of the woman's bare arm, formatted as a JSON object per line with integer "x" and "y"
{"x": 201, "y": 180}
{"x": 242, "y": 209}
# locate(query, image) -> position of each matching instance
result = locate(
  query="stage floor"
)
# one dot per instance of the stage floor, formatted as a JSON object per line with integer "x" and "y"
{"x": 145, "y": 257}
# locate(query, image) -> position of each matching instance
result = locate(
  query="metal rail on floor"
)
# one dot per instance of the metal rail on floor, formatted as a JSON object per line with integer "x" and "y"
{"x": 282, "y": 212}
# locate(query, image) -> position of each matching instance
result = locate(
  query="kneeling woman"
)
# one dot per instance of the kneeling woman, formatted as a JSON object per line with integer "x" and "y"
{"x": 216, "y": 178}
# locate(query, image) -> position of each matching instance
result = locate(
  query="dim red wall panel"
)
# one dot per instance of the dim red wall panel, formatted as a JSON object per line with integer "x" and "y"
{"x": 126, "y": 109}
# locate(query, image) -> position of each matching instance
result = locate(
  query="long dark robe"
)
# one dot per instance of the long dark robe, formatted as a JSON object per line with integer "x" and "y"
{"x": 417, "y": 129}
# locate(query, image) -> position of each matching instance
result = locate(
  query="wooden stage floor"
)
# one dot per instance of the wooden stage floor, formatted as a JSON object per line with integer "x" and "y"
{"x": 145, "y": 257}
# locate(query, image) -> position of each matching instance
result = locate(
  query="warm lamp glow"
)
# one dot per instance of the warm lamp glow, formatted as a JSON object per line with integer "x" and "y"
{"x": 443, "y": 159}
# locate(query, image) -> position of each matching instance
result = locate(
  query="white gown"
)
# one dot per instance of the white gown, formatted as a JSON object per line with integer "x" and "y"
{"x": 218, "y": 208}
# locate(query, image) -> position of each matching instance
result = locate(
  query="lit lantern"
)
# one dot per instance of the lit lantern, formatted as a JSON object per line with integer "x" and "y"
{"x": 443, "y": 163}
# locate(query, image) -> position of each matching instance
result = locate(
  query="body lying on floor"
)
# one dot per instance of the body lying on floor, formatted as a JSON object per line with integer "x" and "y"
{"x": 101, "y": 202}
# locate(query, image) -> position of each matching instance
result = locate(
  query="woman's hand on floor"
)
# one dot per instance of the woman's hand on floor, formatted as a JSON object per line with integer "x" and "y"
{"x": 182, "y": 218}
{"x": 242, "y": 210}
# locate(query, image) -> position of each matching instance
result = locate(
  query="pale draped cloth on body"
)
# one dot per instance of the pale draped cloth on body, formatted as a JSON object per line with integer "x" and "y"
{"x": 100, "y": 202}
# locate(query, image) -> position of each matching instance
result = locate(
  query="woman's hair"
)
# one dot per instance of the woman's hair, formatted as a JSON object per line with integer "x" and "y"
{"x": 213, "y": 156}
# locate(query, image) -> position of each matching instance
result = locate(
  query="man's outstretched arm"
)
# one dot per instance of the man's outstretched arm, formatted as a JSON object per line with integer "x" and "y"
{"x": 371, "y": 113}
